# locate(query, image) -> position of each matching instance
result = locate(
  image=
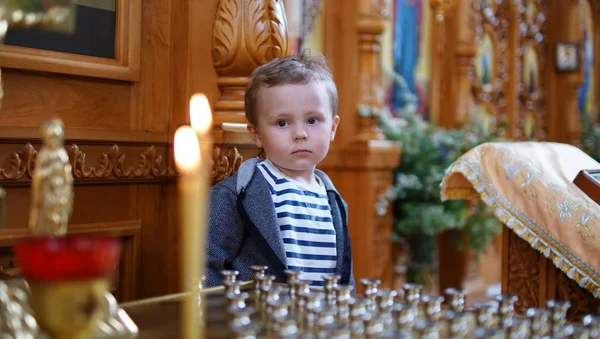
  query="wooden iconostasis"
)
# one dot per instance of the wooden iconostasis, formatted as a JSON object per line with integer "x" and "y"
{"x": 501, "y": 58}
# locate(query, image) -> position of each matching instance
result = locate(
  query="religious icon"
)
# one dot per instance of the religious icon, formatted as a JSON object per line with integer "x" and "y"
{"x": 531, "y": 70}
{"x": 51, "y": 184}
{"x": 485, "y": 60}
{"x": 411, "y": 54}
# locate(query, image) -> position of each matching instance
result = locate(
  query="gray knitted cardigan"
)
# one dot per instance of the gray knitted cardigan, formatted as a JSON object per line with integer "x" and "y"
{"x": 243, "y": 229}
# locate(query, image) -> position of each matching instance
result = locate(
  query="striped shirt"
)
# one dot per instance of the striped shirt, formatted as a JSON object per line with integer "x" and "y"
{"x": 305, "y": 224}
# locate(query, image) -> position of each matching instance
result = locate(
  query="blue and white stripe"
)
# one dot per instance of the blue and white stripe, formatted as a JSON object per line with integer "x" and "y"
{"x": 305, "y": 224}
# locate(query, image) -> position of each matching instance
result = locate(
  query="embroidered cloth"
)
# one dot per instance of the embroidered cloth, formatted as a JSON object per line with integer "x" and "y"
{"x": 529, "y": 186}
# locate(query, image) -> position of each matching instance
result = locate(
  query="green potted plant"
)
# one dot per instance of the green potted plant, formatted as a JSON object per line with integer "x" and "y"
{"x": 418, "y": 212}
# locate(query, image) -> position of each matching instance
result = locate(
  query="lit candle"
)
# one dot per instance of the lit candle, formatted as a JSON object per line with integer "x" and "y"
{"x": 200, "y": 115}
{"x": 201, "y": 120}
{"x": 187, "y": 158}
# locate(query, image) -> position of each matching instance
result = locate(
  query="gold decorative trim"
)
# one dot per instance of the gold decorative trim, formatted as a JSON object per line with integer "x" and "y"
{"x": 111, "y": 164}
{"x": 522, "y": 226}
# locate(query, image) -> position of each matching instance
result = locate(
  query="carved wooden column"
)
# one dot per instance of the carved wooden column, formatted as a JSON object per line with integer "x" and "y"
{"x": 246, "y": 34}
{"x": 370, "y": 25}
{"x": 442, "y": 40}
{"x": 564, "y": 19}
{"x": 360, "y": 163}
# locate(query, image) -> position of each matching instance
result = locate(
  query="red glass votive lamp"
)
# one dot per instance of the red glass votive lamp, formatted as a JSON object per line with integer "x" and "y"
{"x": 68, "y": 277}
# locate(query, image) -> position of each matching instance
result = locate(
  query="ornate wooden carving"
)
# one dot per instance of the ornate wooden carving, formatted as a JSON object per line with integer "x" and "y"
{"x": 226, "y": 163}
{"x": 530, "y": 52}
{"x": 582, "y": 301}
{"x": 110, "y": 164}
{"x": 523, "y": 273}
{"x": 114, "y": 164}
{"x": 535, "y": 279}
{"x": 246, "y": 34}
{"x": 370, "y": 25}
{"x": 19, "y": 164}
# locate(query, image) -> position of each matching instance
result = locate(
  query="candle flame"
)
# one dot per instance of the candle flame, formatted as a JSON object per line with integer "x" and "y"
{"x": 200, "y": 114}
{"x": 187, "y": 149}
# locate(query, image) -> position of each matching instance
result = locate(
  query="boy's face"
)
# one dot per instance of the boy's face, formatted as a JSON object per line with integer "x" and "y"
{"x": 294, "y": 126}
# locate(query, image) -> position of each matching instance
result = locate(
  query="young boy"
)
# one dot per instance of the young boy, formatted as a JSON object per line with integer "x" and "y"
{"x": 281, "y": 212}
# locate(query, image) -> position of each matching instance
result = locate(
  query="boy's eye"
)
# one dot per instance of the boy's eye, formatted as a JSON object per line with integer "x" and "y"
{"x": 312, "y": 121}
{"x": 281, "y": 123}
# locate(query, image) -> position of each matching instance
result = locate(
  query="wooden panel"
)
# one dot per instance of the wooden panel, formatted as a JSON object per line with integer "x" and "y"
{"x": 524, "y": 278}
{"x": 31, "y": 98}
{"x": 535, "y": 280}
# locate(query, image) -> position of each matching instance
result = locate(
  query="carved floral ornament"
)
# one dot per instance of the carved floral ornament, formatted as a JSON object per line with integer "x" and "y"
{"x": 247, "y": 34}
{"x": 114, "y": 164}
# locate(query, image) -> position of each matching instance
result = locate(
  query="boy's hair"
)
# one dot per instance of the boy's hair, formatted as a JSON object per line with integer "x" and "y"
{"x": 298, "y": 69}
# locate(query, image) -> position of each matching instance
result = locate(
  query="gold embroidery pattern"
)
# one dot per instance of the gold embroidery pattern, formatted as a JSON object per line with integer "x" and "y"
{"x": 509, "y": 168}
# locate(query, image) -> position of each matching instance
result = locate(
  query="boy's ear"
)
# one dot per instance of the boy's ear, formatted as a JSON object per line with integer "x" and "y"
{"x": 334, "y": 126}
{"x": 255, "y": 136}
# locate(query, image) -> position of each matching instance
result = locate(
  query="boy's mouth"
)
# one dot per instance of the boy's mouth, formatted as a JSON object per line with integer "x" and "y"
{"x": 301, "y": 151}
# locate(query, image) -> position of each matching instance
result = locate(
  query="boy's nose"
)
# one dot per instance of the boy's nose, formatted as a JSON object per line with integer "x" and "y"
{"x": 300, "y": 134}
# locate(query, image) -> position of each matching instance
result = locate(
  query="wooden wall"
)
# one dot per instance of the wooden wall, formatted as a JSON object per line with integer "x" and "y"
{"x": 120, "y": 117}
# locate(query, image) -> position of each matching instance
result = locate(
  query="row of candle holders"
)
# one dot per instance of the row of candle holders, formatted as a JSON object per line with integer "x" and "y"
{"x": 297, "y": 310}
